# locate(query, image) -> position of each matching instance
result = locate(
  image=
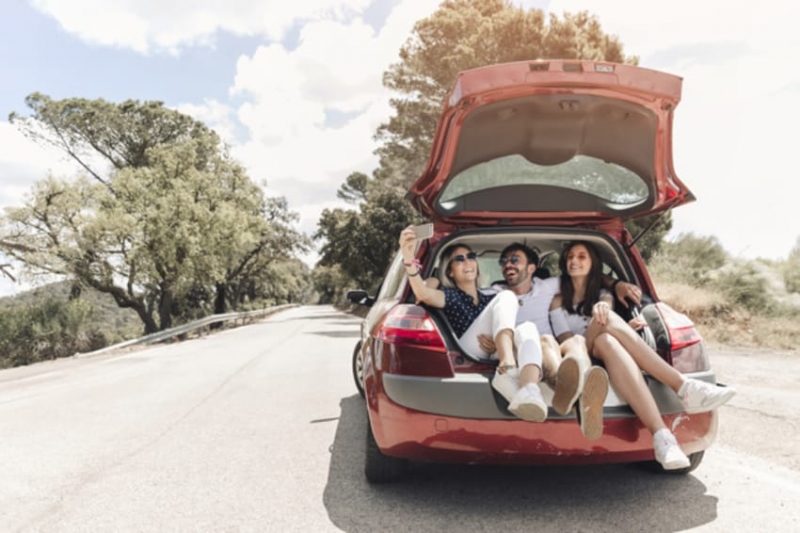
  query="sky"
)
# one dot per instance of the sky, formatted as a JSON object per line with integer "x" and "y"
{"x": 295, "y": 89}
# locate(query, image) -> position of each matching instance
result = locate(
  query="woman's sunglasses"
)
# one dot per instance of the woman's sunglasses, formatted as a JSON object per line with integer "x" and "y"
{"x": 460, "y": 258}
{"x": 514, "y": 259}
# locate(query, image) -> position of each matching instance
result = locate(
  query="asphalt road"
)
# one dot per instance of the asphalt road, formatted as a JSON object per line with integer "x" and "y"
{"x": 260, "y": 429}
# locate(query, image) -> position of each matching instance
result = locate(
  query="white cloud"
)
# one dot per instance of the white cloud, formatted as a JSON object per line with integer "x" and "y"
{"x": 146, "y": 25}
{"x": 736, "y": 124}
{"x": 335, "y": 68}
{"x": 23, "y": 161}
{"x": 732, "y": 129}
{"x": 645, "y": 27}
{"x": 215, "y": 114}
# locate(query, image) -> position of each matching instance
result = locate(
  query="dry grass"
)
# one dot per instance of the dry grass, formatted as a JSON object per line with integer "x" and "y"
{"x": 720, "y": 322}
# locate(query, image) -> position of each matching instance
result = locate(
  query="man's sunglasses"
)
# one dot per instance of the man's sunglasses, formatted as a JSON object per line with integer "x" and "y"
{"x": 460, "y": 258}
{"x": 514, "y": 259}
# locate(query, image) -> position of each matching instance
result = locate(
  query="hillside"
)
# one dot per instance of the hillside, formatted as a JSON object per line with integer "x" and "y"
{"x": 743, "y": 303}
{"x": 106, "y": 315}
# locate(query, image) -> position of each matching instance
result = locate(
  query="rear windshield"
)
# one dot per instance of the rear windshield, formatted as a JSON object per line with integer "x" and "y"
{"x": 607, "y": 181}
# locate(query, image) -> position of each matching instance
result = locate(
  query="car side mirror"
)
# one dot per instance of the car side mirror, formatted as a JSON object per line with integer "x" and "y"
{"x": 360, "y": 297}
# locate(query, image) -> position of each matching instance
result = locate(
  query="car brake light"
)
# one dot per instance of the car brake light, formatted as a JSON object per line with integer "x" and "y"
{"x": 686, "y": 346}
{"x": 410, "y": 324}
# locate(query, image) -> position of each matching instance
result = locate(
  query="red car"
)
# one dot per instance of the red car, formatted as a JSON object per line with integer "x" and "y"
{"x": 540, "y": 152}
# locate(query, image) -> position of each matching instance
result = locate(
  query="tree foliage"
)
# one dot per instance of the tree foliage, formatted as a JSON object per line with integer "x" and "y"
{"x": 688, "y": 259}
{"x": 361, "y": 242}
{"x": 162, "y": 212}
{"x": 47, "y": 330}
{"x": 791, "y": 269}
{"x": 465, "y": 34}
{"x": 459, "y": 35}
{"x": 655, "y": 227}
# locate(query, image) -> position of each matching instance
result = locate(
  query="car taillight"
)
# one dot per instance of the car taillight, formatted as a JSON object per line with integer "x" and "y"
{"x": 686, "y": 347}
{"x": 410, "y": 324}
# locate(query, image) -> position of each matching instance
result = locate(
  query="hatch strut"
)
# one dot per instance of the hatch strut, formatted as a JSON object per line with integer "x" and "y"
{"x": 649, "y": 226}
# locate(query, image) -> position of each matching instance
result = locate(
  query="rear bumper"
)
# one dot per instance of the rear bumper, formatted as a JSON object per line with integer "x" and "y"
{"x": 491, "y": 435}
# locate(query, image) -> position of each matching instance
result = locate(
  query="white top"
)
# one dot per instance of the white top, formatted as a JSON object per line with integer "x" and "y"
{"x": 564, "y": 322}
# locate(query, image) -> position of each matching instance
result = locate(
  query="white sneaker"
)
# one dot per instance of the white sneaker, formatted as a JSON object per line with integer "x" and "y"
{"x": 698, "y": 396}
{"x": 528, "y": 404}
{"x": 668, "y": 453}
{"x": 507, "y": 384}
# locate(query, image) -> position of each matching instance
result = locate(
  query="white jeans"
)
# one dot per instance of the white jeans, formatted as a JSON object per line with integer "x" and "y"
{"x": 500, "y": 314}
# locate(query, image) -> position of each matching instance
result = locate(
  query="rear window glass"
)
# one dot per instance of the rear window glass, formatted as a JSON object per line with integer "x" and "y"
{"x": 613, "y": 183}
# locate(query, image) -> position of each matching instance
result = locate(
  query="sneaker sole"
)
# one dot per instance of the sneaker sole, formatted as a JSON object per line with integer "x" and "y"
{"x": 590, "y": 403}
{"x": 529, "y": 411}
{"x": 676, "y": 464}
{"x": 721, "y": 399}
{"x": 568, "y": 386}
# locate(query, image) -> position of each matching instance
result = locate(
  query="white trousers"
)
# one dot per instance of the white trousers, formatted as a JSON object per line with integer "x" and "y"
{"x": 500, "y": 314}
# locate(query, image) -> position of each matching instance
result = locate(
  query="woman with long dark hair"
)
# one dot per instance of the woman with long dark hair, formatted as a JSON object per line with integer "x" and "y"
{"x": 583, "y": 308}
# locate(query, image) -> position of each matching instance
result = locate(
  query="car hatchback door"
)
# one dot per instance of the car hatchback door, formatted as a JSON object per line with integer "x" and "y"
{"x": 557, "y": 142}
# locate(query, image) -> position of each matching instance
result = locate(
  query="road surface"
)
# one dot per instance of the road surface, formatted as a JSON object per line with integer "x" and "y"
{"x": 260, "y": 429}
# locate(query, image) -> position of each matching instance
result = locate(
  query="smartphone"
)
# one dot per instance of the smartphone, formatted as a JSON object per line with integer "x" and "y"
{"x": 423, "y": 231}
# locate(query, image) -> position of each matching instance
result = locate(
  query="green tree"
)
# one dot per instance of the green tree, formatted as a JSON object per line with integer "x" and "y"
{"x": 354, "y": 189}
{"x": 330, "y": 284}
{"x": 465, "y": 34}
{"x": 655, "y": 227}
{"x": 459, "y": 35}
{"x": 162, "y": 211}
{"x": 361, "y": 242}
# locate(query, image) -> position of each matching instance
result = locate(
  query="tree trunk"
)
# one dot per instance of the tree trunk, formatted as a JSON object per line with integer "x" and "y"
{"x": 220, "y": 305}
{"x": 165, "y": 307}
{"x": 150, "y": 325}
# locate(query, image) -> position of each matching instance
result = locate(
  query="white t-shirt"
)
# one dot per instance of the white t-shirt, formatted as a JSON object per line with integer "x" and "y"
{"x": 535, "y": 304}
{"x": 574, "y": 323}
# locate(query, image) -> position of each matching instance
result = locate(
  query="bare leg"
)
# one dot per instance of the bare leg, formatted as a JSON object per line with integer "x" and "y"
{"x": 504, "y": 344}
{"x": 551, "y": 359}
{"x": 628, "y": 380}
{"x": 529, "y": 374}
{"x": 644, "y": 356}
{"x": 575, "y": 348}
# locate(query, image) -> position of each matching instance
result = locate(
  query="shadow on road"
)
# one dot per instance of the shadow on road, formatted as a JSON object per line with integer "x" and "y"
{"x": 493, "y": 498}
{"x": 349, "y": 334}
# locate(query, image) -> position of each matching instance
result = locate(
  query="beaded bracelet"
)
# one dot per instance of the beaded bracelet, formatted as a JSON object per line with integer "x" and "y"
{"x": 415, "y": 263}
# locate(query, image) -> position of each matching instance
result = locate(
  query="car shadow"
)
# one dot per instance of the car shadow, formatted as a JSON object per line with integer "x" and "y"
{"x": 505, "y": 498}
{"x": 349, "y": 334}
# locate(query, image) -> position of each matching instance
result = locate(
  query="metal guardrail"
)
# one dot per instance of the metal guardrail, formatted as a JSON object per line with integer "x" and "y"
{"x": 200, "y": 324}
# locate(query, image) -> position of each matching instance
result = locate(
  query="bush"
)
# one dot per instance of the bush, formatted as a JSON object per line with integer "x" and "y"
{"x": 47, "y": 330}
{"x": 791, "y": 270}
{"x": 744, "y": 285}
{"x": 688, "y": 259}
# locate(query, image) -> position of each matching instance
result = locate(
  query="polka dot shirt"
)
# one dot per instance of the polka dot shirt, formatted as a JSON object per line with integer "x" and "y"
{"x": 460, "y": 310}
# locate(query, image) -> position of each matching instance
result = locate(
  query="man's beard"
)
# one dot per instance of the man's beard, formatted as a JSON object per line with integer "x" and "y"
{"x": 517, "y": 280}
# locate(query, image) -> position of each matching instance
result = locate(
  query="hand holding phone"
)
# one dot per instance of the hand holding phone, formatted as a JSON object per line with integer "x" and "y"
{"x": 423, "y": 231}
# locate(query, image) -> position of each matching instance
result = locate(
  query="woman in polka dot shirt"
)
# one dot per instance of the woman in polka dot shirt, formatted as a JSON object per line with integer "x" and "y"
{"x": 472, "y": 313}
